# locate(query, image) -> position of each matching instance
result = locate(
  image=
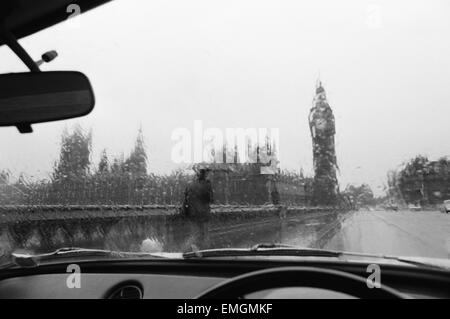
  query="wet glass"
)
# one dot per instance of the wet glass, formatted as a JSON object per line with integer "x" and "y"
{"x": 320, "y": 125}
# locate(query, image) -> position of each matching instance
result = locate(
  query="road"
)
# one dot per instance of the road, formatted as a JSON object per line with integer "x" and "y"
{"x": 402, "y": 233}
{"x": 398, "y": 233}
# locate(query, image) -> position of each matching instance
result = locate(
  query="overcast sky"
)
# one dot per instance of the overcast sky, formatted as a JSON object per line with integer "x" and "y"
{"x": 162, "y": 64}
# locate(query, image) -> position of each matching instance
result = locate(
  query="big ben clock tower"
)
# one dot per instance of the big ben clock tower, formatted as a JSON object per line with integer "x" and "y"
{"x": 322, "y": 126}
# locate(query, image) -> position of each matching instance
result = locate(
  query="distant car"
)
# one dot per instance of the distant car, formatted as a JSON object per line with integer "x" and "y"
{"x": 392, "y": 207}
{"x": 414, "y": 207}
{"x": 446, "y": 206}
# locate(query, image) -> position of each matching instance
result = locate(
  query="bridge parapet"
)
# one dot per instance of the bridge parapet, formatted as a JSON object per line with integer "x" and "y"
{"x": 46, "y": 228}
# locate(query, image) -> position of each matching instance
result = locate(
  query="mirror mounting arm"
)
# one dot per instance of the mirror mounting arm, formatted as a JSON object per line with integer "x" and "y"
{"x": 24, "y": 128}
{"x": 14, "y": 45}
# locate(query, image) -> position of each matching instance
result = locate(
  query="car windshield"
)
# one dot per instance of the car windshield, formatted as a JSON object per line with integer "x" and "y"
{"x": 227, "y": 124}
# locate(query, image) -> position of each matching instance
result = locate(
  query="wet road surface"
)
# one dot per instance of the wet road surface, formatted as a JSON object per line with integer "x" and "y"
{"x": 401, "y": 233}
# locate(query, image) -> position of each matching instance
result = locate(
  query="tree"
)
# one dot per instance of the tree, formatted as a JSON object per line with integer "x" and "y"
{"x": 4, "y": 177}
{"x": 361, "y": 195}
{"x": 411, "y": 179}
{"x": 136, "y": 164}
{"x": 74, "y": 158}
{"x": 118, "y": 165}
{"x": 103, "y": 165}
{"x": 71, "y": 170}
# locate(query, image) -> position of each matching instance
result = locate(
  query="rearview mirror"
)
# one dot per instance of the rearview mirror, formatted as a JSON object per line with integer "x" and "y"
{"x": 36, "y": 97}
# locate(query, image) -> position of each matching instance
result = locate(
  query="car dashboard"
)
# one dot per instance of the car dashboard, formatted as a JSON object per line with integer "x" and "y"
{"x": 186, "y": 279}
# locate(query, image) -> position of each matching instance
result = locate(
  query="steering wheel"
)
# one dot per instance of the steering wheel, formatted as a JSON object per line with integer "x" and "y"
{"x": 283, "y": 277}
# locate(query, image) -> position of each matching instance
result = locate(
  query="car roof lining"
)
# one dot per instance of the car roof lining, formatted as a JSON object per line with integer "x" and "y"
{"x": 26, "y": 17}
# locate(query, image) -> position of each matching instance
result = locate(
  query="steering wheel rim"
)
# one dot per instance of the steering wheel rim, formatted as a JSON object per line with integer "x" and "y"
{"x": 282, "y": 277}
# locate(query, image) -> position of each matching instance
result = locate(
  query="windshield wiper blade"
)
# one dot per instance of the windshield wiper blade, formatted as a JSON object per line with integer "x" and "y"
{"x": 272, "y": 249}
{"x": 29, "y": 260}
{"x": 270, "y": 245}
{"x": 262, "y": 250}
